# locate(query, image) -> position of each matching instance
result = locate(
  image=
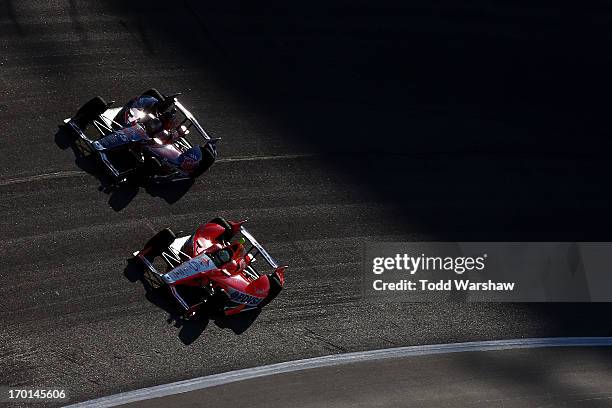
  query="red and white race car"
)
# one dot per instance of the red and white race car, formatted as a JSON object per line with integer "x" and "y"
{"x": 213, "y": 268}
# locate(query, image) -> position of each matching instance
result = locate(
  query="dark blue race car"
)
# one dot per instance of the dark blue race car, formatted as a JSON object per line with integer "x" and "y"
{"x": 148, "y": 137}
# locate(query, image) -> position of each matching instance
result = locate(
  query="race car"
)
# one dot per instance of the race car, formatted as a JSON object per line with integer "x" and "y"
{"x": 213, "y": 268}
{"x": 146, "y": 139}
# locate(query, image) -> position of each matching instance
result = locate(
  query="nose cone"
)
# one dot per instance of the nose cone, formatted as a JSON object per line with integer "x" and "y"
{"x": 259, "y": 287}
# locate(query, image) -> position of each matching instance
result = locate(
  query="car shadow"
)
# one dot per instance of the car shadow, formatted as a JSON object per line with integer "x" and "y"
{"x": 189, "y": 329}
{"x": 9, "y": 9}
{"x": 119, "y": 196}
{"x": 239, "y": 323}
{"x": 170, "y": 192}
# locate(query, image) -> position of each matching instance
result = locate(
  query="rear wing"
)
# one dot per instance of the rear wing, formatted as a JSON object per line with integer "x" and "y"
{"x": 257, "y": 249}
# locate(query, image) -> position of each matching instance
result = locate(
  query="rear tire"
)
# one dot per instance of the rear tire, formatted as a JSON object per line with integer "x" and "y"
{"x": 229, "y": 233}
{"x": 160, "y": 242}
{"x": 90, "y": 111}
{"x": 147, "y": 171}
{"x": 216, "y": 303}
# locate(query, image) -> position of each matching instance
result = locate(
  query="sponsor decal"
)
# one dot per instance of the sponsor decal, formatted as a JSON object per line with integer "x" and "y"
{"x": 133, "y": 132}
{"x": 189, "y": 268}
{"x": 241, "y": 297}
{"x": 190, "y": 159}
{"x": 189, "y": 164}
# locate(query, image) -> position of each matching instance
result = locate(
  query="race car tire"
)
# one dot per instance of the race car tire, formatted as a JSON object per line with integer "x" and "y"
{"x": 216, "y": 303}
{"x": 91, "y": 110}
{"x": 154, "y": 93}
{"x": 229, "y": 233}
{"x": 160, "y": 242}
{"x": 275, "y": 289}
{"x": 162, "y": 104}
{"x": 208, "y": 159}
{"x": 147, "y": 170}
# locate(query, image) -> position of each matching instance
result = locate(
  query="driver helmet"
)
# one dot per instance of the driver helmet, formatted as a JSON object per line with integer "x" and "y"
{"x": 224, "y": 256}
{"x": 153, "y": 126}
{"x": 168, "y": 119}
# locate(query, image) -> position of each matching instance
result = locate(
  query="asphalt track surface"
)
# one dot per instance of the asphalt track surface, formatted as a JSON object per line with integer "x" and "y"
{"x": 347, "y": 121}
{"x": 510, "y": 378}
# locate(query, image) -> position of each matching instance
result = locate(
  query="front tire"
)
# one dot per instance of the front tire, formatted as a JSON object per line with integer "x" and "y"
{"x": 162, "y": 104}
{"x": 208, "y": 159}
{"x": 275, "y": 289}
{"x": 154, "y": 93}
{"x": 229, "y": 233}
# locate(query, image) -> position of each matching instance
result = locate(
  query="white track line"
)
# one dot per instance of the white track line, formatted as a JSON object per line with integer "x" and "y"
{"x": 337, "y": 359}
{"x": 80, "y": 173}
{"x": 46, "y": 176}
{"x": 262, "y": 158}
